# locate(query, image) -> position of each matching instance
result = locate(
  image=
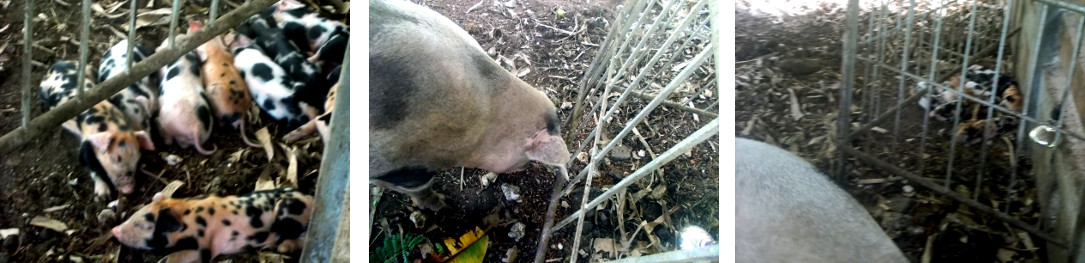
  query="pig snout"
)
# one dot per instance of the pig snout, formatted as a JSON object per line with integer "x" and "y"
{"x": 117, "y": 232}
{"x": 787, "y": 211}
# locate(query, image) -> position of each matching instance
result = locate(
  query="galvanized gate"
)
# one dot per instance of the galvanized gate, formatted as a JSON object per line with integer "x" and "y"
{"x": 899, "y": 54}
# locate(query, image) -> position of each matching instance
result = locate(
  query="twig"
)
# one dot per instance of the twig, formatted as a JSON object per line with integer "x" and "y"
{"x": 474, "y": 6}
{"x": 563, "y": 31}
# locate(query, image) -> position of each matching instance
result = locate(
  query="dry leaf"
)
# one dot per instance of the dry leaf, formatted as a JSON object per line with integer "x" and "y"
{"x": 236, "y": 156}
{"x": 796, "y": 110}
{"x": 265, "y": 140}
{"x": 605, "y": 245}
{"x": 4, "y": 233}
{"x": 264, "y": 183}
{"x": 292, "y": 170}
{"x": 49, "y": 223}
{"x": 171, "y": 187}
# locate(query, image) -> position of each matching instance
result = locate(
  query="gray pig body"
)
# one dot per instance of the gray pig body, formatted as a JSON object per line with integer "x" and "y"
{"x": 786, "y": 211}
{"x": 438, "y": 101}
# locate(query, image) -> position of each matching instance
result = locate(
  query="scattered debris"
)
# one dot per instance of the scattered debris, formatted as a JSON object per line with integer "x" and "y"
{"x": 517, "y": 231}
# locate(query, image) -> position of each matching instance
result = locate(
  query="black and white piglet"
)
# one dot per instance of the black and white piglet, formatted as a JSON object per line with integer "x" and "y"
{"x": 185, "y": 115}
{"x": 325, "y": 37}
{"x": 273, "y": 43}
{"x": 110, "y": 146}
{"x": 139, "y": 101}
{"x": 271, "y": 88}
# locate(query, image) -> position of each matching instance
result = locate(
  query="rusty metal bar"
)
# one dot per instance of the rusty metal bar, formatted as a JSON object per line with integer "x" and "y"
{"x": 331, "y": 185}
{"x": 28, "y": 68}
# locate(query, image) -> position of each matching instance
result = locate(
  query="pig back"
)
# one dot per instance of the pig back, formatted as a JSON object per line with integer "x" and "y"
{"x": 787, "y": 211}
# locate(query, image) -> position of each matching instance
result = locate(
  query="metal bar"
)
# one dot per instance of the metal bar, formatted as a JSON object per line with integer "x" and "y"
{"x": 84, "y": 41}
{"x": 173, "y": 22}
{"x": 28, "y": 34}
{"x": 1064, "y": 183}
{"x": 963, "y": 80}
{"x": 1061, "y": 4}
{"x": 132, "y": 35}
{"x": 706, "y": 253}
{"x": 905, "y": 58}
{"x": 960, "y": 94}
{"x": 1033, "y": 66}
{"x": 702, "y": 134}
{"x": 991, "y": 99}
{"x": 214, "y": 12}
{"x": 923, "y": 181}
{"x": 334, "y": 177}
{"x": 53, "y": 118}
{"x": 851, "y": 35}
{"x": 1070, "y": 79}
{"x": 930, "y": 74}
{"x": 594, "y": 69}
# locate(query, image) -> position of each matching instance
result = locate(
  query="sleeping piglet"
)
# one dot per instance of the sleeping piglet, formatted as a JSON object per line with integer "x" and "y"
{"x": 786, "y": 211}
{"x": 227, "y": 93}
{"x": 436, "y": 100}
{"x": 185, "y": 115}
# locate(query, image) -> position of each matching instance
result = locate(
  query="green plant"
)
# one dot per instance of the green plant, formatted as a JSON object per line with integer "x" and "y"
{"x": 396, "y": 246}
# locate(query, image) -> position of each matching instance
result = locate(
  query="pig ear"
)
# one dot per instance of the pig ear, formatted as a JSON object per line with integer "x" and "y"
{"x": 158, "y": 197}
{"x": 548, "y": 149}
{"x": 100, "y": 140}
{"x": 144, "y": 140}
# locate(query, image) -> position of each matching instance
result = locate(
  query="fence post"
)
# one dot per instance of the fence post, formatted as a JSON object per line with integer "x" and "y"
{"x": 331, "y": 186}
{"x": 27, "y": 66}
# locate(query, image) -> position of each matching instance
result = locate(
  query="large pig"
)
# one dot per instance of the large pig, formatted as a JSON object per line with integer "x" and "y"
{"x": 786, "y": 211}
{"x": 139, "y": 101}
{"x": 109, "y": 146}
{"x": 226, "y": 90}
{"x": 185, "y": 115}
{"x": 437, "y": 101}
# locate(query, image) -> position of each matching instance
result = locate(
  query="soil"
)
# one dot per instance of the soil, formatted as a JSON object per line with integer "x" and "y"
{"x": 689, "y": 184}
{"x": 796, "y": 60}
{"x": 45, "y": 173}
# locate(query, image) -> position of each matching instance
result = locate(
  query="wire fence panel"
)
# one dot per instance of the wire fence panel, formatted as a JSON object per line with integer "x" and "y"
{"x": 965, "y": 117}
{"x": 652, "y": 52}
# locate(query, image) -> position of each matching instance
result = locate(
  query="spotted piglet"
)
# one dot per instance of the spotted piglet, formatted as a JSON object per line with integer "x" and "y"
{"x": 110, "y": 146}
{"x": 185, "y": 115}
{"x": 436, "y": 100}
{"x": 325, "y": 37}
{"x": 201, "y": 228}
{"x": 272, "y": 89}
{"x": 139, "y": 101}
{"x": 226, "y": 90}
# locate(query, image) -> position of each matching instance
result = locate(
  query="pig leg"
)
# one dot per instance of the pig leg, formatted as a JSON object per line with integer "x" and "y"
{"x": 72, "y": 127}
{"x": 101, "y": 187}
{"x": 289, "y": 246}
{"x": 414, "y": 182}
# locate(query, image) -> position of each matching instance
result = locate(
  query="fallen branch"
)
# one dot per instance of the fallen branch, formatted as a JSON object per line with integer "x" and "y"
{"x": 48, "y": 121}
{"x": 677, "y": 106}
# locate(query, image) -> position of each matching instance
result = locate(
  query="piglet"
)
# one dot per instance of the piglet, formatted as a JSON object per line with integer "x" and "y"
{"x": 436, "y": 100}
{"x": 272, "y": 89}
{"x": 226, "y": 90}
{"x": 140, "y": 100}
{"x": 786, "y": 211}
{"x": 326, "y": 37}
{"x": 109, "y": 145}
{"x": 201, "y": 228}
{"x": 185, "y": 115}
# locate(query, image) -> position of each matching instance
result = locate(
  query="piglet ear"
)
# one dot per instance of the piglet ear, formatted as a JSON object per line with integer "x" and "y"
{"x": 144, "y": 140}
{"x": 548, "y": 149}
{"x": 100, "y": 140}
{"x": 167, "y": 221}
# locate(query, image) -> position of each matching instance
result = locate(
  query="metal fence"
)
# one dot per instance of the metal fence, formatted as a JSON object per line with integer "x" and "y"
{"x": 893, "y": 49}
{"x": 669, "y": 32}
{"x": 334, "y": 167}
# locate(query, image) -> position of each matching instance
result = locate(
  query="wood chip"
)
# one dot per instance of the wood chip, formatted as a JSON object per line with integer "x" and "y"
{"x": 796, "y": 109}
{"x": 49, "y": 223}
{"x": 292, "y": 170}
{"x": 4, "y": 233}
{"x": 56, "y": 208}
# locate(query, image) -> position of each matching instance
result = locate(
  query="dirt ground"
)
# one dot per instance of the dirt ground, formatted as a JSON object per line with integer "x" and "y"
{"x": 557, "y": 62}
{"x": 794, "y": 61}
{"x": 45, "y": 173}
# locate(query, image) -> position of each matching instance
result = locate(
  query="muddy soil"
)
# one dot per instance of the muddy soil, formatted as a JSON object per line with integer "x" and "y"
{"x": 689, "y": 185}
{"x": 46, "y": 173}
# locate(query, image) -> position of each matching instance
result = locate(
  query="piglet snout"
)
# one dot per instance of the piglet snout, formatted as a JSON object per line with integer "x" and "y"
{"x": 127, "y": 189}
{"x": 117, "y": 232}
